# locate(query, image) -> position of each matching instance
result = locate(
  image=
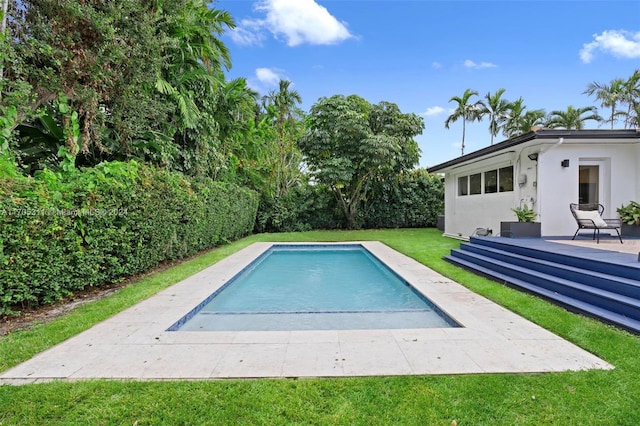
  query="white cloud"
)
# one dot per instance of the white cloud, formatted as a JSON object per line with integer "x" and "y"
{"x": 471, "y": 64}
{"x": 297, "y": 21}
{"x": 436, "y": 65}
{"x": 268, "y": 76}
{"x": 247, "y": 33}
{"x": 434, "y": 110}
{"x": 622, "y": 44}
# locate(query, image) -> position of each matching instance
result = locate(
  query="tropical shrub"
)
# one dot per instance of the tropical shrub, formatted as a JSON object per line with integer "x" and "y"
{"x": 63, "y": 231}
{"x": 303, "y": 208}
{"x": 525, "y": 214}
{"x": 630, "y": 214}
{"x": 411, "y": 200}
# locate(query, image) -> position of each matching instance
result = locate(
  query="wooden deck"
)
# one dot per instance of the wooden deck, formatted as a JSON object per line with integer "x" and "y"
{"x": 600, "y": 280}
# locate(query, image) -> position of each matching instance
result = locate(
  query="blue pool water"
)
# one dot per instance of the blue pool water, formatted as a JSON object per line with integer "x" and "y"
{"x": 314, "y": 288}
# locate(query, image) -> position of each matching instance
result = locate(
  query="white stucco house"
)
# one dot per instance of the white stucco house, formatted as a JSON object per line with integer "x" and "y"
{"x": 547, "y": 169}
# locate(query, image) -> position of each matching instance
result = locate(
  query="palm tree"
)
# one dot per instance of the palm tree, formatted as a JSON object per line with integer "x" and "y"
{"x": 514, "y": 125}
{"x": 497, "y": 109}
{"x": 285, "y": 101}
{"x": 532, "y": 118}
{"x": 194, "y": 55}
{"x": 572, "y": 118}
{"x": 464, "y": 110}
{"x": 610, "y": 94}
{"x": 282, "y": 106}
{"x": 632, "y": 99}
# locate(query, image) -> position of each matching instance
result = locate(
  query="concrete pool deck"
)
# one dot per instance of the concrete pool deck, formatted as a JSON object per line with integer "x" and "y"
{"x": 135, "y": 345}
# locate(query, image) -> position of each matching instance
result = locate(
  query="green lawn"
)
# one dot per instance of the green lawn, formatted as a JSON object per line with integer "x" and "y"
{"x": 572, "y": 398}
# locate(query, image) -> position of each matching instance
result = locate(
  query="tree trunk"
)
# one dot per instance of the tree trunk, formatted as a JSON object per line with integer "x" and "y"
{"x": 3, "y": 26}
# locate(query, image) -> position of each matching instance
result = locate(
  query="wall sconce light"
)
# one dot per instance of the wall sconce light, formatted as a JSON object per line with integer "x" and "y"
{"x": 533, "y": 156}
{"x": 565, "y": 163}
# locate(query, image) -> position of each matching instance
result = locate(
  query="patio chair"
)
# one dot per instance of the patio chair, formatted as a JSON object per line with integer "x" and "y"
{"x": 589, "y": 216}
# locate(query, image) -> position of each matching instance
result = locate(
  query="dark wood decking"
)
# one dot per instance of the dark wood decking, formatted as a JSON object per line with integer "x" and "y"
{"x": 601, "y": 283}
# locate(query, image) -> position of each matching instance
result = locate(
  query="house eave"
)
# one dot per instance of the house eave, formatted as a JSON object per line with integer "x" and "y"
{"x": 542, "y": 134}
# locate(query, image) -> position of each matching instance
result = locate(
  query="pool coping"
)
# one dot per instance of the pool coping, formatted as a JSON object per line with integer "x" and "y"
{"x": 135, "y": 345}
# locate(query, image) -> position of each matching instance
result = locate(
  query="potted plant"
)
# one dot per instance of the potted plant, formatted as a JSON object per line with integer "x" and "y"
{"x": 525, "y": 227}
{"x": 630, "y": 216}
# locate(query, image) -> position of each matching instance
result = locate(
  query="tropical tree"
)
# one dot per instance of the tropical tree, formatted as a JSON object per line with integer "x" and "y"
{"x": 465, "y": 110}
{"x": 348, "y": 143}
{"x": 572, "y": 118}
{"x": 514, "y": 123}
{"x": 283, "y": 111}
{"x": 193, "y": 54}
{"x": 497, "y": 109}
{"x": 92, "y": 54}
{"x": 531, "y": 119}
{"x": 632, "y": 100}
{"x": 610, "y": 95}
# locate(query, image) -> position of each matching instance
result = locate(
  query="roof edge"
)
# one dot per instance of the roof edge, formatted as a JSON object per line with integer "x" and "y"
{"x": 539, "y": 134}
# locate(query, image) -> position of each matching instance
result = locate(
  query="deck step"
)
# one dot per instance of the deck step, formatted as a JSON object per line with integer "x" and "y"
{"x": 590, "y": 259}
{"x": 571, "y": 304}
{"x": 621, "y": 285}
{"x": 601, "y": 284}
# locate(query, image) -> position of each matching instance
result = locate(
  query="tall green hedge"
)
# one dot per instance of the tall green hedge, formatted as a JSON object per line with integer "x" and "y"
{"x": 62, "y": 232}
{"x": 411, "y": 200}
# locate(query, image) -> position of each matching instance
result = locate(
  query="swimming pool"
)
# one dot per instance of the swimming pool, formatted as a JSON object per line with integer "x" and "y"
{"x": 314, "y": 287}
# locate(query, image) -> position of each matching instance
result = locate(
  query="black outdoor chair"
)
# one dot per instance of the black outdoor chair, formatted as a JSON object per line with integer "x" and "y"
{"x": 589, "y": 216}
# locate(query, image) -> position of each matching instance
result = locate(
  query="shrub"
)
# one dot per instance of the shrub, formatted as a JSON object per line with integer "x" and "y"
{"x": 305, "y": 207}
{"x": 630, "y": 214}
{"x": 412, "y": 200}
{"x": 62, "y": 232}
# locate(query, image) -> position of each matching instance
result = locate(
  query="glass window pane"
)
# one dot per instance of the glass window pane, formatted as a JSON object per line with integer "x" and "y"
{"x": 491, "y": 182}
{"x": 588, "y": 184}
{"x": 506, "y": 179}
{"x": 463, "y": 186}
{"x": 475, "y": 184}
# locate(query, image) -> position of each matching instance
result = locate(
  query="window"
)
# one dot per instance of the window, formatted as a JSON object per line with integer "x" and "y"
{"x": 506, "y": 179}
{"x": 499, "y": 180}
{"x": 588, "y": 184}
{"x": 463, "y": 185}
{"x": 491, "y": 182}
{"x": 475, "y": 184}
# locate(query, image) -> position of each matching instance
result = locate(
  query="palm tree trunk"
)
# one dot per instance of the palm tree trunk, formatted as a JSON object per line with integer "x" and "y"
{"x": 613, "y": 108}
{"x": 464, "y": 130}
{"x": 3, "y": 26}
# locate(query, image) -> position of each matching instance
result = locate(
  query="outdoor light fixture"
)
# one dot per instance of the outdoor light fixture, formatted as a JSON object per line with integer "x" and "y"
{"x": 533, "y": 156}
{"x": 565, "y": 163}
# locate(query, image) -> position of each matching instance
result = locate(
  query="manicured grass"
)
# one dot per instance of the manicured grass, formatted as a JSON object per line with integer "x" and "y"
{"x": 571, "y": 398}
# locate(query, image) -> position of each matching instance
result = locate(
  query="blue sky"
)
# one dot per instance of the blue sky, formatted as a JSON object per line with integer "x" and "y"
{"x": 420, "y": 53}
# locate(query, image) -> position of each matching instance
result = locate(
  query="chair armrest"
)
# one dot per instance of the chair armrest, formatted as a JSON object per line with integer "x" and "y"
{"x": 614, "y": 222}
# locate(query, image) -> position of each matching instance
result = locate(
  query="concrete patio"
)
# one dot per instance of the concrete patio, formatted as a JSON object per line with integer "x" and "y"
{"x": 134, "y": 344}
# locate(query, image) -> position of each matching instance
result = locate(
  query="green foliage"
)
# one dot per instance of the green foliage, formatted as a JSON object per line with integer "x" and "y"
{"x": 348, "y": 143}
{"x": 597, "y": 397}
{"x": 524, "y": 213}
{"x": 64, "y": 230}
{"x": 304, "y": 207}
{"x": 140, "y": 80}
{"x": 410, "y": 200}
{"x": 630, "y": 214}
{"x": 572, "y": 118}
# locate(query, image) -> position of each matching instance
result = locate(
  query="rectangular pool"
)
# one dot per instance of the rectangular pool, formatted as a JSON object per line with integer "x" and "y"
{"x": 314, "y": 287}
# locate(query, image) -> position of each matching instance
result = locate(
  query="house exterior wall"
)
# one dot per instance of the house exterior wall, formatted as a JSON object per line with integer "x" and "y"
{"x": 464, "y": 214}
{"x": 542, "y": 184}
{"x": 558, "y": 186}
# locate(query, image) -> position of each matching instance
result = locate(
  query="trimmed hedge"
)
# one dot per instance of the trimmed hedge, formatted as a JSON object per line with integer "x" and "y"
{"x": 62, "y": 232}
{"x": 411, "y": 200}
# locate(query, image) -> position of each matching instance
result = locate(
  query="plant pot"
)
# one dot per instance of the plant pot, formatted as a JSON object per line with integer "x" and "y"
{"x": 632, "y": 231}
{"x": 520, "y": 229}
{"x": 440, "y": 223}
